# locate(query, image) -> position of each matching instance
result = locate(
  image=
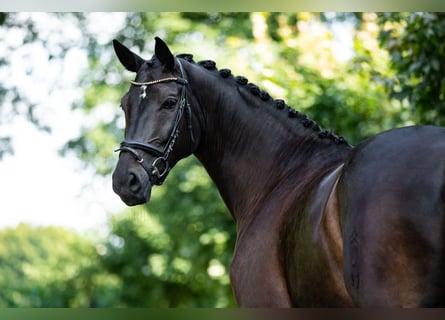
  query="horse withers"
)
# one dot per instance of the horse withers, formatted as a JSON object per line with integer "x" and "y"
{"x": 319, "y": 222}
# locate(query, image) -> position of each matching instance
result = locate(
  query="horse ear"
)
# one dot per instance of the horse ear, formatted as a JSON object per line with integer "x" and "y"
{"x": 164, "y": 54}
{"x": 130, "y": 60}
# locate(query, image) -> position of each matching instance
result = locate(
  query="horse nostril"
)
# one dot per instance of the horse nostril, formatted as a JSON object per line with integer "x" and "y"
{"x": 134, "y": 183}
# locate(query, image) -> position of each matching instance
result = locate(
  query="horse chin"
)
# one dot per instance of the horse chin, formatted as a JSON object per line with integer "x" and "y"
{"x": 136, "y": 199}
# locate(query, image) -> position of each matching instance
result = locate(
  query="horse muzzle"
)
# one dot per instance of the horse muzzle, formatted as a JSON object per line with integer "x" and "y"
{"x": 132, "y": 184}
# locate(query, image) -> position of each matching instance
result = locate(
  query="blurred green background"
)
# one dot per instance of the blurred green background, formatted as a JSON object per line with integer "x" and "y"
{"x": 356, "y": 73}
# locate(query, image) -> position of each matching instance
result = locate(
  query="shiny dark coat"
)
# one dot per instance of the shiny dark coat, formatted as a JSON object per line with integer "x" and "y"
{"x": 319, "y": 222}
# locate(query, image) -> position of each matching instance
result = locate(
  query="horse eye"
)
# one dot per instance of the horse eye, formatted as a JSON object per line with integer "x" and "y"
{"x": 169, "y": 104}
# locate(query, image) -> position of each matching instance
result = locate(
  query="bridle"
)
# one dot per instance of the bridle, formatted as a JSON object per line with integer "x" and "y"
{"x": 159, "y": 168}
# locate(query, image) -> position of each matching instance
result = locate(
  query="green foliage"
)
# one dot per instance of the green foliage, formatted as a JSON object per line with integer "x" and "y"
{"x": 52, "y": 267}
{"x": 354, "y": 100}
{"x": 29, "y": 33}
{"x": 176, "y": 250}
{"x": 416, "y": 43}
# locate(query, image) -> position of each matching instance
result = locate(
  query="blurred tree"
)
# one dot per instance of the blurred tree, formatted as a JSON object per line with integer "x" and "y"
{"x": 52, "y": 267}
{"x": 416, "y": 44}
{"x": 339, "y": 87}
{"x": 37, "y": 51}
{"x": 16, "y": 32}
{"x": 176, "y": 250}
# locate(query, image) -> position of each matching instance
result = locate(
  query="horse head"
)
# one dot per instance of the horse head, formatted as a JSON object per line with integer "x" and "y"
{"x": 158, "y": 122}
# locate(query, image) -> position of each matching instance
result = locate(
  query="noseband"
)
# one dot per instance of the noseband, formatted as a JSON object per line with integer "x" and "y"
{"x": 159, "y": 168}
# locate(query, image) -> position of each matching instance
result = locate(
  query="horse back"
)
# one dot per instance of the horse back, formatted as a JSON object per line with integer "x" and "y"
{"x": 391, "y": 204}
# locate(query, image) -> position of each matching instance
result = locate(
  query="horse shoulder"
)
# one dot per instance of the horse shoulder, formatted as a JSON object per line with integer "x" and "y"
{"x": 256, "y": 272}
{"x": 313, "y": 247}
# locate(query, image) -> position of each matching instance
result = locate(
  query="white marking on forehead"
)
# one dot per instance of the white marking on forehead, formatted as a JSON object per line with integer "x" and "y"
{"x": 143, "y": 92}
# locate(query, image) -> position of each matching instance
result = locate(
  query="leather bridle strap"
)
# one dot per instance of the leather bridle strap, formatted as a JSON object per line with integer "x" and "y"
{"x": 142, "y": 146}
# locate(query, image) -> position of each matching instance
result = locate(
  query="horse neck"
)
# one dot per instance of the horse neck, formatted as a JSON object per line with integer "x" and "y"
{"x": 250, "y": 149}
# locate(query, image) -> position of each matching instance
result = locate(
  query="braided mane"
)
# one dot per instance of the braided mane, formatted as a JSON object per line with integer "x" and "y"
{"x": 265, "y": 96}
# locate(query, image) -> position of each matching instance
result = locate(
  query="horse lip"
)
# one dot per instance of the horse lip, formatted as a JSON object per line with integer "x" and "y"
{"x": 134, "y": 200}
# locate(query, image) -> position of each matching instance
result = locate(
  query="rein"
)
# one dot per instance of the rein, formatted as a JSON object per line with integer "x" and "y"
{"x": 160, "y": 167}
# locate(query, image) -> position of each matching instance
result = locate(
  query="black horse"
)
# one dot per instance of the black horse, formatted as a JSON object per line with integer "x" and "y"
{"x": 319, "y": 222}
